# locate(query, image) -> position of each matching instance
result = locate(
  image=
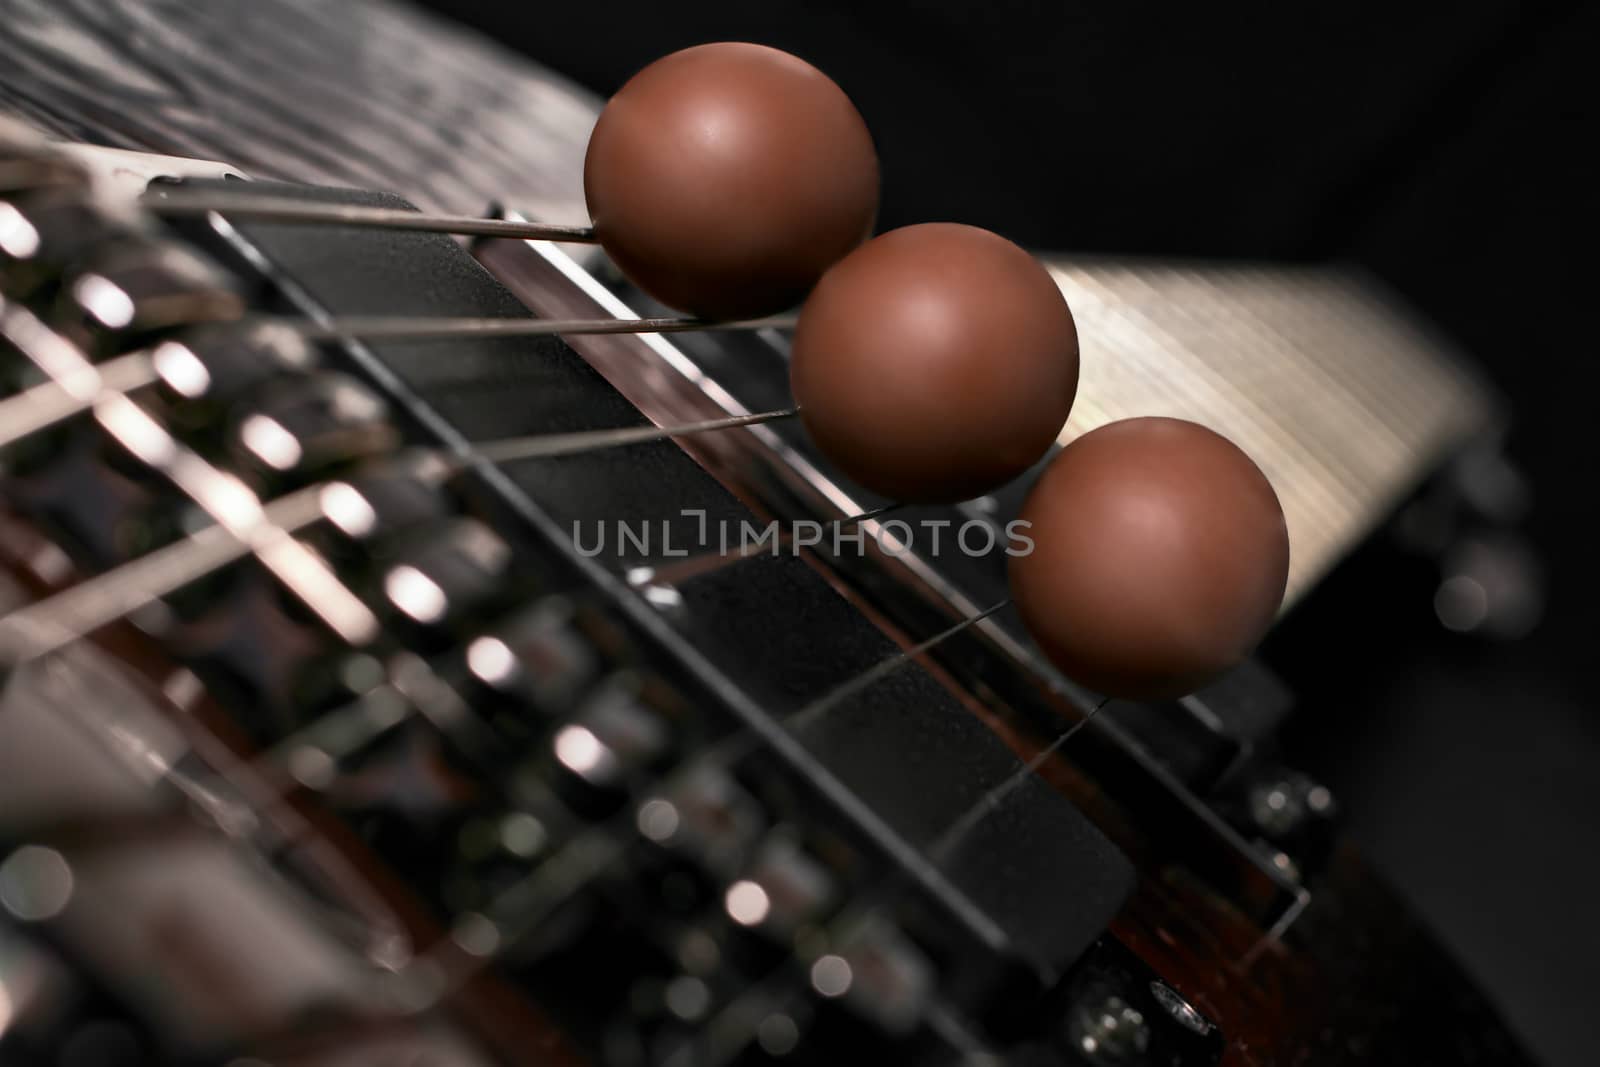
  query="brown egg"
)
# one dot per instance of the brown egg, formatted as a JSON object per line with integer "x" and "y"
{"x": 1159, "y": 561}
{"x": 724, "y": 179}
{"x": 935, "y": 363}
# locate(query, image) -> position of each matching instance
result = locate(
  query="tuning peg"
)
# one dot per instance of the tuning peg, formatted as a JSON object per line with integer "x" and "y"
{"x": 204, "y": 371}
{"x": 136, "y": 287}
{"x": 445, "y": 574}
{"x": 46, "y": 234}
{"x": 300, "y": 429}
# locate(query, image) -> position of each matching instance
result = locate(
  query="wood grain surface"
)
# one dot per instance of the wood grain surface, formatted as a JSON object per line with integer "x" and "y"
{"x": 337, "y": 92}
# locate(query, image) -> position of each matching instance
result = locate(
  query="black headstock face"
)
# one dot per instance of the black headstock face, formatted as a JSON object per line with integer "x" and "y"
{"x": 325, "y": 740}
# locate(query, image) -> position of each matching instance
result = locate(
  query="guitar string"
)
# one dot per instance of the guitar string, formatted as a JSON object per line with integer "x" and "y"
{"x": 44, "y": 405}
{"x": 683, "y": 569}
{"x": 447, "y": 327}
{"x": 171, "y": 201}
{"x": 49, "y": 402}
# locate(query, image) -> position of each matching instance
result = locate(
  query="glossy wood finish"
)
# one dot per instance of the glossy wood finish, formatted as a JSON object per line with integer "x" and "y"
{"x": 347, "y": 92}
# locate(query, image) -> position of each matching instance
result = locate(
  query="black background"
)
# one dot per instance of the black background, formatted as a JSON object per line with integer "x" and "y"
{"x": 1443, "y": 146}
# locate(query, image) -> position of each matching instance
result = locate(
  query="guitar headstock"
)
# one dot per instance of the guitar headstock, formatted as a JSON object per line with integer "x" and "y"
{"x": 329, "y": 740}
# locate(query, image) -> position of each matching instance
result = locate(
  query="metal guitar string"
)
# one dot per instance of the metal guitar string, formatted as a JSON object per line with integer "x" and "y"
{"x": 41, "y": 406}
{"x": 404, "y": 328}
{"x": 681, "y": 570}
{"x": 249, "y": 207}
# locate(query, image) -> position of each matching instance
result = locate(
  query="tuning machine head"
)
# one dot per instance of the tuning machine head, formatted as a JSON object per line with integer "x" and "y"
{"x": 380, "y": 501}
{"x": 47, "y": 233}
{"x": 441, "y": 576}
{"x": 535, "y": 665}
{"x": 304, "y": 427}
{"x": 90, "y": 262}
{"x": 616, "y": 743}
{"x": 203, "y": 372}
{"x": 138, "y": 286}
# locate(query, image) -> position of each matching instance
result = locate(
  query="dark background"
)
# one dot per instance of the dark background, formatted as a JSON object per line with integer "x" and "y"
{"x": 1447, "y": 150}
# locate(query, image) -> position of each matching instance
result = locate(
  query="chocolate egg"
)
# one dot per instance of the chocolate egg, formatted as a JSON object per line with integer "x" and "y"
{"x": 935, "y": 363}
{"x": 1159, "y": 558}
{"x": 724, "y": 179}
